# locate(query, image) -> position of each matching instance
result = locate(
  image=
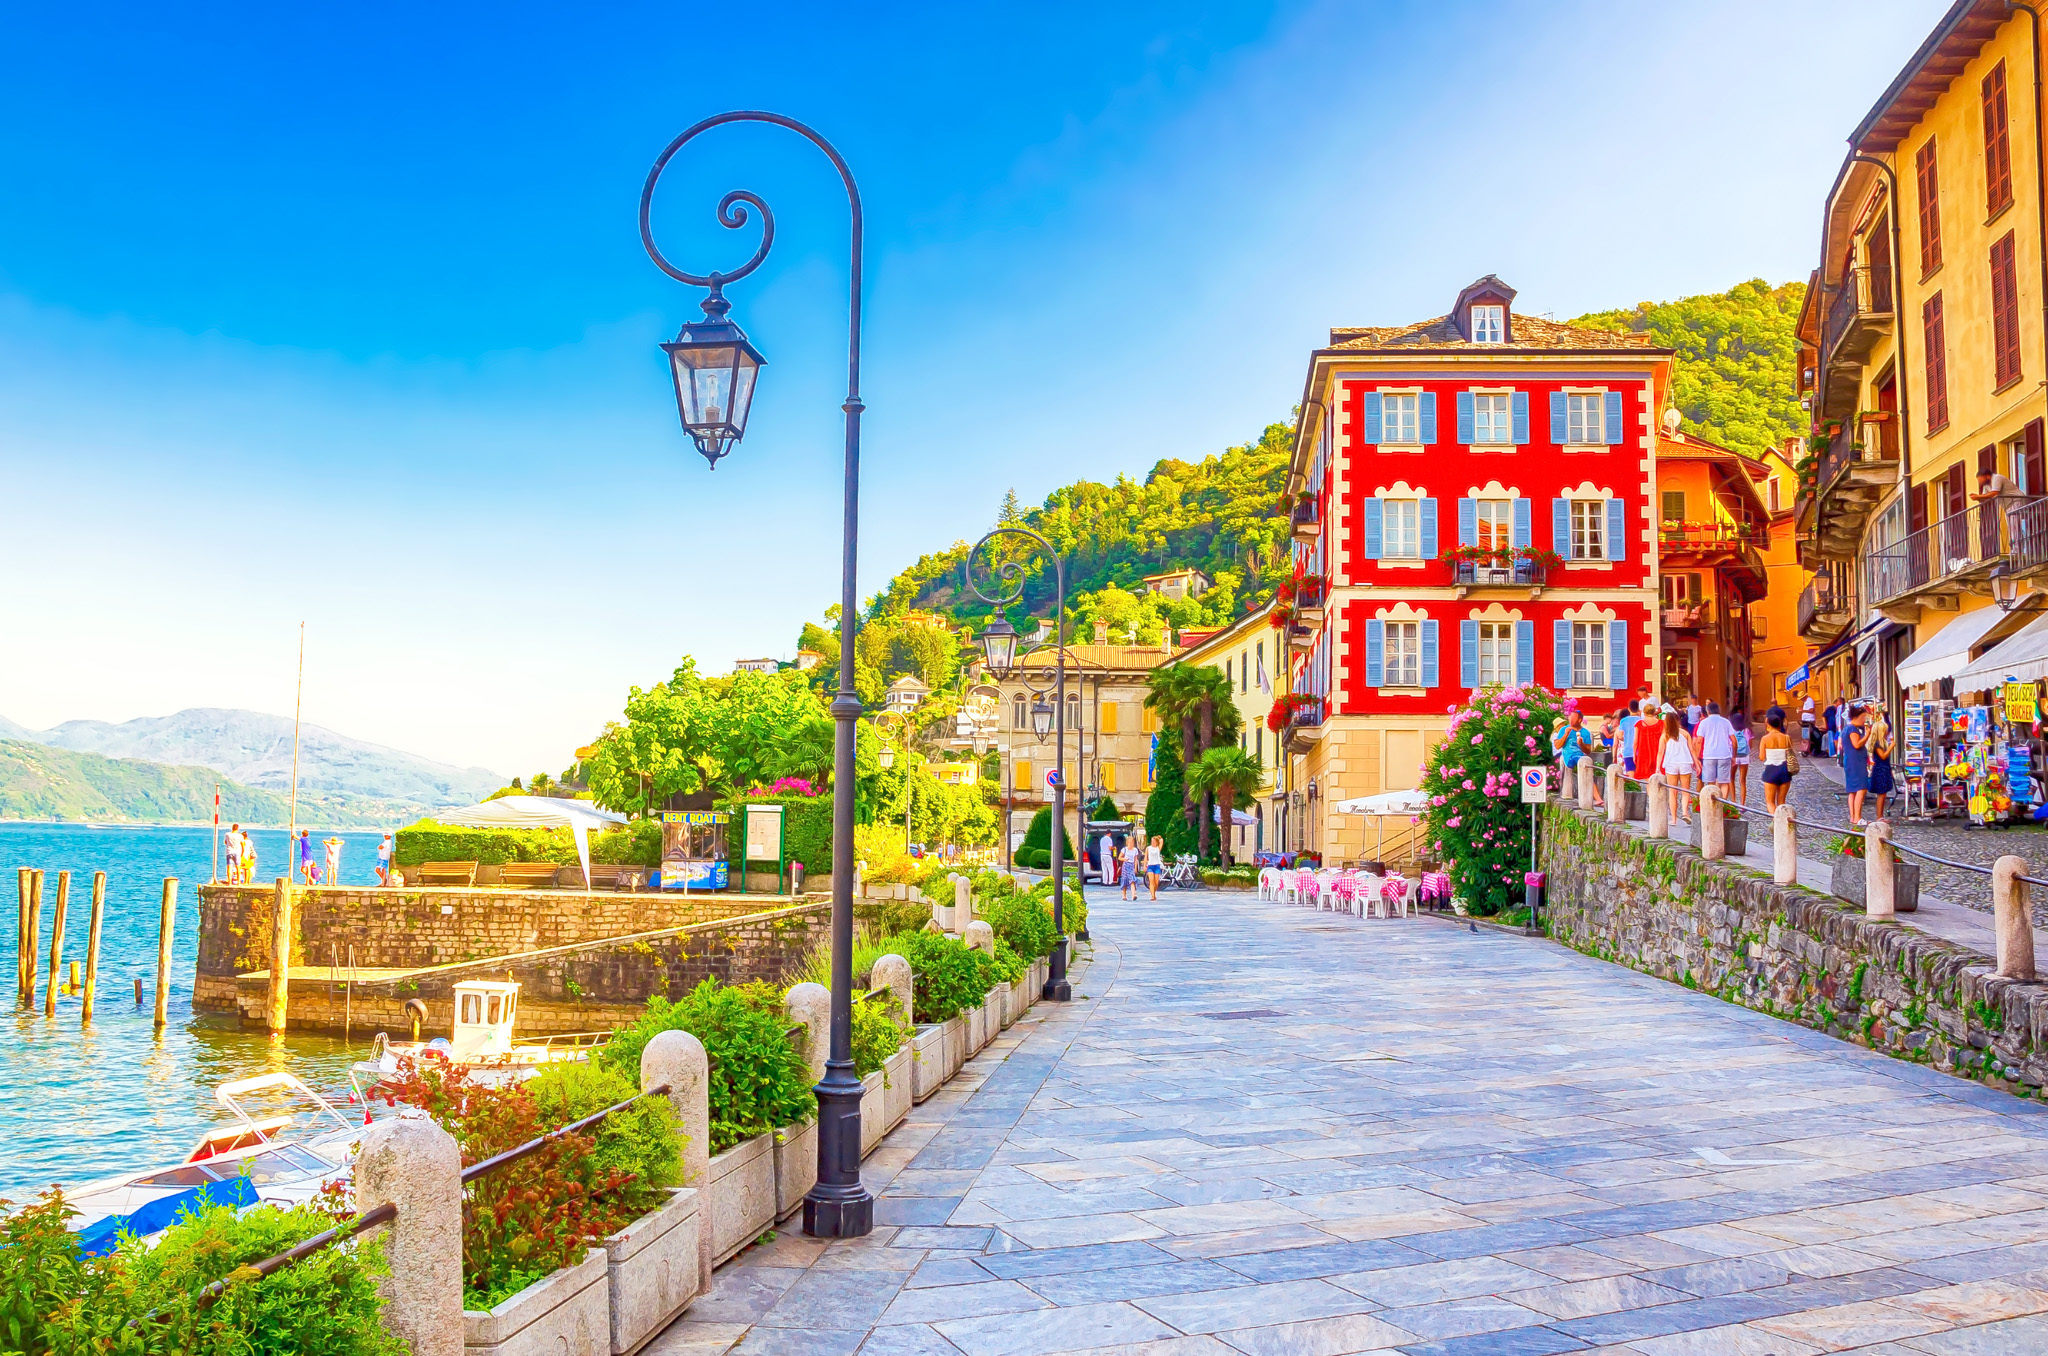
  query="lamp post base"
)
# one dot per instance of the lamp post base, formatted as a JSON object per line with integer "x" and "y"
{"x": 1056, "y": 989}
{"x": 850, "y": 1217}
{"x": 839, "y": 1205}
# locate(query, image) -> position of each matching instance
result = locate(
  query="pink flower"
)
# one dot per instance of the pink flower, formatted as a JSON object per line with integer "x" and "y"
{"x": 1478, "y": 739}
{"x": 1452, "y": 822}
{"x": 1468, "y": 782}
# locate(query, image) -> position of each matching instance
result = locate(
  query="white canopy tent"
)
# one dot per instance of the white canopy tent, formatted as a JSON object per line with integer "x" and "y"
{"x": 2022, "y": 656}
{"x": 537, "y": 812}
{"x": 1401, "y": 803}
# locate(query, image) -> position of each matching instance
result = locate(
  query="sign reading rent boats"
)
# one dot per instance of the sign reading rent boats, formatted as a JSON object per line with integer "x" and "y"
{"x": 1535, "y": 785}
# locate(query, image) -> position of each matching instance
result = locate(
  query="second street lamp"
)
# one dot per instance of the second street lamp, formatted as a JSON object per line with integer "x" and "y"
{"x": 714, "y": 366}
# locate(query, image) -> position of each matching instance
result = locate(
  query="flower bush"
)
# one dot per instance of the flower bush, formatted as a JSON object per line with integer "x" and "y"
{"x": 1476, "y": 821}
{"x": 758, "y": 1076}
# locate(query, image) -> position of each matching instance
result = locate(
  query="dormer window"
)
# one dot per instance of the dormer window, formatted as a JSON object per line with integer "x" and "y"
{"x": 1488, "y": 323}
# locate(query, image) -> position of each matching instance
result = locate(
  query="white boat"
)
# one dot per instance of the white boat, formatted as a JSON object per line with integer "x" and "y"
{"x": 252, "y": 1158}
{"x": 481, "y": 1042}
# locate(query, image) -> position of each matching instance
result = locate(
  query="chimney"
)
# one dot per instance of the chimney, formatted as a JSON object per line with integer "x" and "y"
{"x": 1101, "y": 631}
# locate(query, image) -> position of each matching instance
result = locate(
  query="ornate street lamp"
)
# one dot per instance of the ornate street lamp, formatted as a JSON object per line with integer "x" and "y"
{"x": 1046, "y": 717}
{"x": 714, "y": 366}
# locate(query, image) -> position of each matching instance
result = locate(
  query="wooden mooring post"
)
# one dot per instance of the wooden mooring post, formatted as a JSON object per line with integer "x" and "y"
{"x": 21, "y": 937}
{"x": 57, "y": 943}
{"x": 31, "y": 935}
{"x": 166, "y": 928}
{"x": 92, "y": 945}
{"x": 281, "y": 957}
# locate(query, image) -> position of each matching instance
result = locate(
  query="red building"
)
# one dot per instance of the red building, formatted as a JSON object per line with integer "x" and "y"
{"x": 1472, "y": 500}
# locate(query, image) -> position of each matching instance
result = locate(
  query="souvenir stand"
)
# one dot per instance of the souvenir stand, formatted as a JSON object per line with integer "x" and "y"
{"x": 694, "y": 851}
{"x": 1930, "y": 792}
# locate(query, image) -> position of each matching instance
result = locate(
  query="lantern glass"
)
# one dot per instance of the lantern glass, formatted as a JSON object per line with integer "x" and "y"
{"x": 999, "y": 645}
{"x": 715, "y": 368}
{"x": 1041, "y": 718}
{"x": 887, "y": 757}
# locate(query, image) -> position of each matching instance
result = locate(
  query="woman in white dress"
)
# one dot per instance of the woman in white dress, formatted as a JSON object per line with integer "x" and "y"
{"x": 1678, "y": 767}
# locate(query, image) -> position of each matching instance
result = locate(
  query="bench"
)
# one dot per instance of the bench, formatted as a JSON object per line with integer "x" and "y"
{"x": 606, "y": 877}
{"x": 443, "y": 873}
{"x": 529, "y": 875}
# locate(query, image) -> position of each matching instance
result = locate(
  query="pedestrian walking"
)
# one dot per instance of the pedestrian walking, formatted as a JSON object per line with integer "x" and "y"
{"x": 384, "y": 861}
{"x": 1716, "y": 737}
{"x": 1625, "y": 736}
{"x": 1779, "y": 764}
{"x": 1677, "y": 763}
{"x": 1693, "y": 712}
{"x": 1128, "y": 859}
{"x": 1880, "y": 760}
{"x": 1809, "y": 732}
{"x": 307, "y": 869}
{"x": 1650, "y": 740}
{"x": 1155, "y": 865}
{"x": 1741, "y": 758}
{"x": 1855, "y": 746}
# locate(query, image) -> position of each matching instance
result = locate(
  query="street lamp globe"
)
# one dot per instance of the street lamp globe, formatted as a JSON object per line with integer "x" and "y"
{"x": 1041, "y": 719}
{"x": 886, "y": 757}
{"x": 714, "y": 365}
{"x": 999, "y": 644}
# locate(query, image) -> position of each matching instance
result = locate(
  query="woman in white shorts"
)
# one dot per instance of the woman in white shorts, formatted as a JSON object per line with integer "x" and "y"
{"x": 1678, "y": 767}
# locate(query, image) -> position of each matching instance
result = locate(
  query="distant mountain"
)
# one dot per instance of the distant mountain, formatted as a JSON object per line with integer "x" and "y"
{"x": 341, "y": 780}
{"x": 40, "y": 782}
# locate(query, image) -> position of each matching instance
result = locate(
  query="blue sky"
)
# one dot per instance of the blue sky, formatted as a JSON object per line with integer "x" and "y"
{"x": 342, "y": 316}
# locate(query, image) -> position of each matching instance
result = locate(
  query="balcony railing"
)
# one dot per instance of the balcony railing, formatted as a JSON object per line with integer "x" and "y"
{"x": 1305, "y": 524}
{"x": 1864, "y": 294}
{"x": 1306, "y": 716}
{"x": 1520, "y": 572}
{"x": 2027, "y": 536}
{"x": 1874, "y": 444}
{"x": 1688, "y": 616}
{"x": 1822, "y": 595}
{"x": 1980, "y": 536}
{"x": 1715, "y": 536}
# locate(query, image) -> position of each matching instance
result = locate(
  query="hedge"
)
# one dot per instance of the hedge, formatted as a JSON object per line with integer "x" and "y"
{"x": 806, "y": 830}
{"x": 428, "y": 841}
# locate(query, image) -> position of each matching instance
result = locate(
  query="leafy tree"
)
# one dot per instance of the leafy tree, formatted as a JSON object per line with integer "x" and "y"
{"x": 1165, "y": 810}
{"x": 1009, "y": 512}
{"x": 1735, "y": 379}
{"x": 1475, "y": 819}
{"x": 665, "y": 746}
{"x": 1224, "y": 774}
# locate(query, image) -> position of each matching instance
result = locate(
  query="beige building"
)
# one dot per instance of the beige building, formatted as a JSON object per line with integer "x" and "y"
{"x": 1251, "y": 653}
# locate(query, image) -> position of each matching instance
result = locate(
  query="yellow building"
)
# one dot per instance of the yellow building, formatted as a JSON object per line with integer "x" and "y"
{"x": 1777, "y": 649}
{"x": 1251, "y": 653}
{"x": 1923, "y": 360}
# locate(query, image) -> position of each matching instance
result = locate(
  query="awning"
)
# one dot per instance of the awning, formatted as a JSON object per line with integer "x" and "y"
{"x": 2022, "y": 656}
{"x": 537, "y": 812}
{"x": 1805, "y": 671}
{"x": 1385, "y": 803}
{"x": 1949, "y": 651}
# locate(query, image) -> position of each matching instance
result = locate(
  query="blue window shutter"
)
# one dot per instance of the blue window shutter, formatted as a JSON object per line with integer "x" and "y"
{"x": 1525, "y": 652}
{"x": 1429, "y": 652}
{"x": 1518, "y": 406}
{"x": 1522, "y": 528}
{"x": 1372, "y": 416}
{"x": 1617, "y": 530}
{"x": 1617, "y": 655}
{"x": 1561, "y": 654}
{"x": 1558, "y": 429}
{"x": 1375, "y": 652}
{"x": 1372, "y": 529}
{"x": 1468, "y": 653}
{"x": 1464, "y": 416}
{"x": 1613, "y": 419}
{"x": 1428, "y": 404}
{"x": 1428, "y": 516}
{"x": 1561, "y": 527}
{"x": 1468, "y": 522}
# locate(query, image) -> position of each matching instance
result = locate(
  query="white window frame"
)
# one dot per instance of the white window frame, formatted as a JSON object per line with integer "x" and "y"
{"x": 1485, "y": 512}
{"x": 1589, "y": 655}
{"x": 1496, "y": 653}
{"x": 1588, "y": 518}
{"x": 1406, "y": 544}
{"x": 1401, "y": 662}
{"x": 1585, "y": 418}
{"x": 1494, "y": 426}
{"x": 1489, "y": 324}
{"x": 1402, "y": 411}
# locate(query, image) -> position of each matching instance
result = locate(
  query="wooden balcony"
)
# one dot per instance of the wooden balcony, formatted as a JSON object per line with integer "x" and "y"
{"x": 1860, "y": 464}
{"x": 1824, "y": 611}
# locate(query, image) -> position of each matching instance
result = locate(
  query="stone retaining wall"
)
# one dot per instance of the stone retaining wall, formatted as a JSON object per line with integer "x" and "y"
{"x": 414, "y": 927}
{"x": 1659, "y": 907}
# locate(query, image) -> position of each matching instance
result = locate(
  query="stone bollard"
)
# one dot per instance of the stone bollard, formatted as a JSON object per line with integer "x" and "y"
{"x": 2015, "y": 919}
{"x": 1713, "y": 835}
{"x": 1585, "y": 787}
{"x": 811, "y": 1004}
{"x": 980, "y": 936}
{"x": 1657, "y": 817}
{"x": 1784, "y": 847}
{"x": 963, "y": 903}
{"x": 677, "y": 1058}
{"x": 892, "y": 972}
{"x": 1617, "y": 794}
{"x": 416, "y": 1165}
{"x": 1878, "y": 876}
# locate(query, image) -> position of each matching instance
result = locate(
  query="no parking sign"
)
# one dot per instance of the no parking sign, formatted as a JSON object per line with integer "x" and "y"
{"x": 1535, "y": 785}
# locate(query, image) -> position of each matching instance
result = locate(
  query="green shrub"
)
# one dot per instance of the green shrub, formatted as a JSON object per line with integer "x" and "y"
{"x": 945, "y": 973}
{"x": 1007, "y": 965}
{"x": 878, "y": 1033}
{"x": 634, "y": 844}
{"x": 1236, "y": 875}
{"x": 1022, "y": 923}
{"x": 806, "y": 831}
{"x": 758, "y": 1076}
{"x": 428, "y": 841}
{"x": 54, "y": 1301}
{"x": 868, "y": 947}
{"x": 1034, "y": 858}
{"x": 1476, "y": 821}
{"x": 642, "y": 1142}
{"x": 887, "y": 917}
{"x": 1038, "y": 837}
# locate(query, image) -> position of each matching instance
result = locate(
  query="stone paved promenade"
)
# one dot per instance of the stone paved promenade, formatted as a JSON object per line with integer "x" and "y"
{"x": 1273, "y": 1132}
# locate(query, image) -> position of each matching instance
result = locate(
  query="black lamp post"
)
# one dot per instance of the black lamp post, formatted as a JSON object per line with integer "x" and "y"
{"x": 999, "y": 648}
{"x": 714, "y": 367}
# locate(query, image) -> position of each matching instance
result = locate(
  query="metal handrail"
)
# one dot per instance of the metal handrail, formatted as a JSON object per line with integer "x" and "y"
{"x": 533, "y": 1146}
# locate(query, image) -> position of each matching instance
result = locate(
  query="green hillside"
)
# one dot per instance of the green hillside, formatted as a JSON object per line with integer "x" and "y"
{"x": 40, "y": 782}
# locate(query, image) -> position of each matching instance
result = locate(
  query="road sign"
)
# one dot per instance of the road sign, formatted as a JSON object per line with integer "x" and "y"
{"x": 1535, "y": 785}
{"x": 1052, "y": 777}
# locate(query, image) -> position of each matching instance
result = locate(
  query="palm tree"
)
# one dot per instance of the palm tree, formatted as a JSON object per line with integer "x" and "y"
{"x": 1226, "y": 772}
{"x": 1176, "y": 697}
{"x": 1211, "y": 691}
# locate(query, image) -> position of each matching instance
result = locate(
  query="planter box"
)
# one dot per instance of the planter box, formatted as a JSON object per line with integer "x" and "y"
{"x": 1737, "y": 841}
{"x": 874, "y": 1114}
{"x": 796, "y": 1166}
{"x": 994, "y": 1007}
{"x": 896, "y": 1089}
{"x": 956, "y": 1043}
{"x": 651, "y": 1266}
{"x": 927, "y": 1061}
{"x": 1847, "y": 883}
{"x": 1015, "y": 1000}
{"x": 977, "y": 1027}
{"x": 1635, "y": 804}
{"x": 739, "y": 1196}
{"x": 564, "y": 1311}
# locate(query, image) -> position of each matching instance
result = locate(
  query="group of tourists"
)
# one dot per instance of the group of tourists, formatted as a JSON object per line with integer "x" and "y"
{"x": 241, "y": 855}
{"x": 313, "y": 869}
{"x": 1154, "y": 857}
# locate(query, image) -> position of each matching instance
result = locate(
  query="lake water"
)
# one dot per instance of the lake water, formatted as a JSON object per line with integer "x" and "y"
{"x": 77, "y": 1104}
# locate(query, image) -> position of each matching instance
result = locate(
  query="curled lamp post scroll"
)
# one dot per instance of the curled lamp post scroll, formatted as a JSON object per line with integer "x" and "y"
{"x": 715, "y": 365}
{"x": 1005, "y": 585}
